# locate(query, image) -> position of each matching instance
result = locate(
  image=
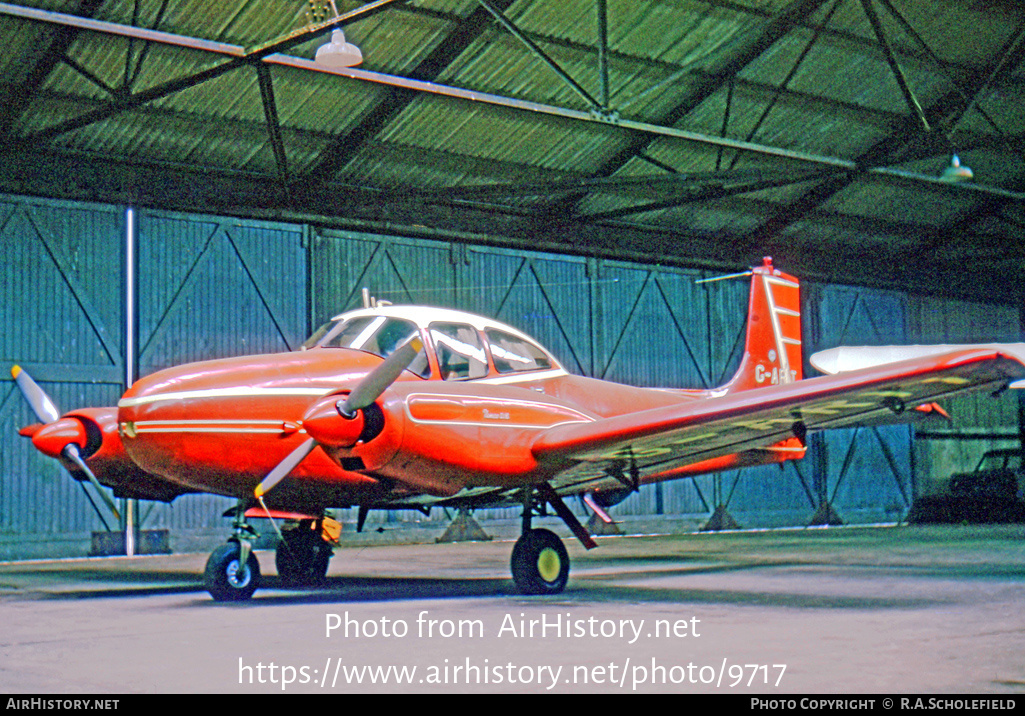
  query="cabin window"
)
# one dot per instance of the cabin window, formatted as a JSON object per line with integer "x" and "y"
{"x": 513, "y": 354}
{"x": 459, "y": 350}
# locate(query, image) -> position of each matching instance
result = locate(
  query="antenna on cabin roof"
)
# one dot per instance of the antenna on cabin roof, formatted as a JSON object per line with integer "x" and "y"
{"x": 371, "y": 302}
{"x": 766, "y": 263}
{"x": 723, "y": 278}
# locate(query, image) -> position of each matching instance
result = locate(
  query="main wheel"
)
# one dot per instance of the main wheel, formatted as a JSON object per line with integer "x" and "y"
{"x": 301, "y": 557}
{"x": 540, "y": 563}
{"x": 226, "y": 578}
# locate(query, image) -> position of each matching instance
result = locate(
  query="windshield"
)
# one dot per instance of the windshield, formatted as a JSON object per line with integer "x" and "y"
{"x": 375, "y": 334}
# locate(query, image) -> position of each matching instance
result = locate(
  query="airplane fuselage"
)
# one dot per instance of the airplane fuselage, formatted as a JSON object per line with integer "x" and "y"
{"x": 220, "y": 426}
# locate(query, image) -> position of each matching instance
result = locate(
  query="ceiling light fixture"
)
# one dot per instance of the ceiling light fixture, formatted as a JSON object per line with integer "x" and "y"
{"x": 957, "y": 171}
{"x": 338, "y": 52}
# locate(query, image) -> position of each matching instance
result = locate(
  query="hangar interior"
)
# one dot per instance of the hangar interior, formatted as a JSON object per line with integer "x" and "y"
{"x": 183, "y": 180}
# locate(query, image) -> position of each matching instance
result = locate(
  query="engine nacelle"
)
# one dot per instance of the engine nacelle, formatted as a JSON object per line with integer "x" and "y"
{"x": 94, "y": 431}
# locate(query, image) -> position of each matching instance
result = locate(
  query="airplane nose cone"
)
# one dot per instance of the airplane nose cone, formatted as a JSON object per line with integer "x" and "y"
{"x": 325, "y": 424}
{"x": 52, "y": 438}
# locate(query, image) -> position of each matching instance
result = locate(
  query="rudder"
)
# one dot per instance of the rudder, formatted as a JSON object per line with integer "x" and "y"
{"x": 772, "y": 348}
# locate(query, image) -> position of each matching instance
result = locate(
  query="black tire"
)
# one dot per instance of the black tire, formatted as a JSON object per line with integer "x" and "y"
{"x": 223, "y": 578}
{"x": 302, "y": 557}
{"x": 540, "y": 563}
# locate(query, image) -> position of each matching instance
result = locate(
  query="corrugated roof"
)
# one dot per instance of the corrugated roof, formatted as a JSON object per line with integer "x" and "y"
{"x": 716, "y": 131}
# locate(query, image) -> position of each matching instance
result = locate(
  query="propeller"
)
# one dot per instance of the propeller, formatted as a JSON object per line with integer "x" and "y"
{"x": 38, "y": 400}
{"x": 284, "y": 467}
{"x": 362, "y": 396}
{"x": 46, "y": 410}
{"x": 377, "y": 381}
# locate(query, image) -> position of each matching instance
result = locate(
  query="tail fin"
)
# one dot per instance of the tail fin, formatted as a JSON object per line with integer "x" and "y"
{"x": 772, "y": 352}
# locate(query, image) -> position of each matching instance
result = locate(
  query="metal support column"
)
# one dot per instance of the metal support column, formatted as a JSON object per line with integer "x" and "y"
{"x": 131, "y": 346}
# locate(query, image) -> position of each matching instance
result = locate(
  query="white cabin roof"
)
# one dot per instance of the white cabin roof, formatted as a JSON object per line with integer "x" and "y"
{"x": 423, "y": 316}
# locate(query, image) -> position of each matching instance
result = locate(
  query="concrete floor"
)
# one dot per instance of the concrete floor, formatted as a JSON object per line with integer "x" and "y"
{"x": 883, "y": 610}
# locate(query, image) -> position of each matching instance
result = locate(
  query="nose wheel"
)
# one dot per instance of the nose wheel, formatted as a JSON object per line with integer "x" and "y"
{"x": 230, "y": 576}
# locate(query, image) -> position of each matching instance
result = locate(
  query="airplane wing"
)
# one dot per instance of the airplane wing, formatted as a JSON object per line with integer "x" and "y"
{"x": 628, "y": 447}
{"x": 847, "y": 358}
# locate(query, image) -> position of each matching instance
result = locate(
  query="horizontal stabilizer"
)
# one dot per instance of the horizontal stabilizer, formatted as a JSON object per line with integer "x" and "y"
{"x": 847, "y": 358}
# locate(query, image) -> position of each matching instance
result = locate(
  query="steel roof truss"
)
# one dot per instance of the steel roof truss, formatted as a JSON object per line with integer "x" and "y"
{"x": 891, "y": 59}
{"x": 711, "y": 192}
{"x": 270, "y": 112}
{"x": 533, "y": 47}
{"x": 269, "y": 52}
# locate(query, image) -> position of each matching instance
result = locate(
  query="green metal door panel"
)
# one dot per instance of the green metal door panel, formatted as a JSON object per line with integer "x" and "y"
{"x": 865, "y": 474}
{"x": 547, "y": 297}
{"x": 978, "y": 422}
{"x": 61, "y": 302}
{"x": 663, "y": 328}
{"x": 770, "y": 495}
{"x": 727, "y": 302}
{"x": 939, "y": 321}
{"x": 39, "y": 500}
{"x": 61, "y": 289}
{"x": 398, "y": 270}
{"x": 654, "y": 328}
{"x": 213, "y": 288}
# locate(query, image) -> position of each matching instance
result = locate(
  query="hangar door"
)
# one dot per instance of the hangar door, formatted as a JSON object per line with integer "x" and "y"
{"x": 979, "y": 422}
{"x": 63, "y": 324}
{"x": 206, "y": 288}
{"x": 863, "y": 474}
{"x": 214, "y": 287}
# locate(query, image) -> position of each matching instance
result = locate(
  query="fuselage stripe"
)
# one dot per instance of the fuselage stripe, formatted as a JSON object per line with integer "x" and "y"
{"x": 267, "y": 426}
{"x": 244, "y": 391}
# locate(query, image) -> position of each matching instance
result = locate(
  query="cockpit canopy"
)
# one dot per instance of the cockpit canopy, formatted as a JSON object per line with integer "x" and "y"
{"x": 458, "y": 346}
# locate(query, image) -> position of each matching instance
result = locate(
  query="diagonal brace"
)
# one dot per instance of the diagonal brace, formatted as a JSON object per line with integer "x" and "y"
{"x": 549, "y": 495}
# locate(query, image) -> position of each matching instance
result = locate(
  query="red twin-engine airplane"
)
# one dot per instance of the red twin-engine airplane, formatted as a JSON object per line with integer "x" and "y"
{"x": 409, "y": 407}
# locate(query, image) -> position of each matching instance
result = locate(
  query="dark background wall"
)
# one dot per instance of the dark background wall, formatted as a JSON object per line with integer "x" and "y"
{"x": 216, "y": 286}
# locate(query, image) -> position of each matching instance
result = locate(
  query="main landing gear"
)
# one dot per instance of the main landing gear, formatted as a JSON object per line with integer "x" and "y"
{"x": 232, "y": 572}
{"x": 303, "y": 554}
{"x": 540, "y": 562}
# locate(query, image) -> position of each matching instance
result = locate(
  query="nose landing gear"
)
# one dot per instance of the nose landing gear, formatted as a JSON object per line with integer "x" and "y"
{"x": 230, "y": 575}
{"x": 232, "y": 572}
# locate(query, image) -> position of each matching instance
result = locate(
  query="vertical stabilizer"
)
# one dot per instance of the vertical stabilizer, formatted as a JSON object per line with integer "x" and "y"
{"x": 772, "y": 349}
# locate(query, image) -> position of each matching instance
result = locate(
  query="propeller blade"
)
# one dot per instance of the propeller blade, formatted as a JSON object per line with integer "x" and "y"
{"x": 47, "y": 412}
{"x": 377, "y": 381}
{"x": 39, "y": 401}
{"x": 70, "y": 452}
{"x": 284, "y": 467}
